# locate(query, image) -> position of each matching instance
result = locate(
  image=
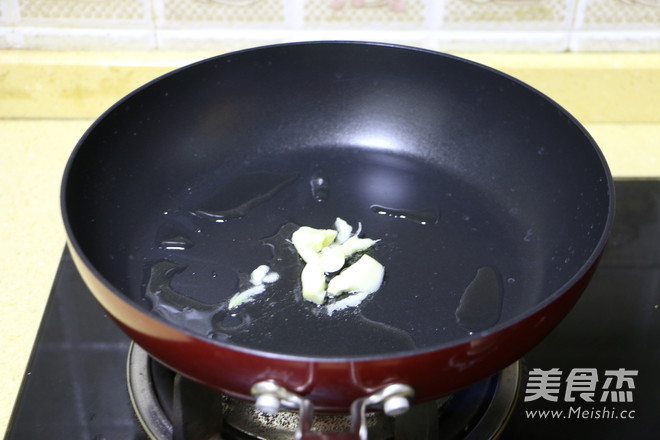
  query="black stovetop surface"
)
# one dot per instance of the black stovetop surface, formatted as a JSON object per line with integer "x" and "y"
{"x": 75, "y": 383}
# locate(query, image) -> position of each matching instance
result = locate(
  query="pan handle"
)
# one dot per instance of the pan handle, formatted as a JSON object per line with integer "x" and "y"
{"x": 394, "y": 398}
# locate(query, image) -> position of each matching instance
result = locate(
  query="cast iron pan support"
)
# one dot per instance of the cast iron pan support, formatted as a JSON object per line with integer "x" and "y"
{"x": 394, "y": 398}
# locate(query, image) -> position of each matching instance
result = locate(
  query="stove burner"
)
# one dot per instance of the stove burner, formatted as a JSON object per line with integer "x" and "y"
{"x": 172, "y": 407}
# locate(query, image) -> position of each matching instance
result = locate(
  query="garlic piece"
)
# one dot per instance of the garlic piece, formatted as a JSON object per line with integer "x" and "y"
{"x": 311, "y": 238}
{"x": 356, "y": 244}
{"x": 271, "y": 277}
{"x": 257, "y": 275}
{"x": 325, "y": 252}
{"x": 365, "y": 275}
{"x": 309, "y": 255}
{"x": 245, "y": 296}
{"x": 313, "y": 283}
{"x": 344, "y": 303}
{"x": 332, "y": 258}
{"x": 343, "y": 230}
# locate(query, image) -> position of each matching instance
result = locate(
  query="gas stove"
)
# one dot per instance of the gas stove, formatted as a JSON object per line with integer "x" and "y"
{"x": 597, "y": 375}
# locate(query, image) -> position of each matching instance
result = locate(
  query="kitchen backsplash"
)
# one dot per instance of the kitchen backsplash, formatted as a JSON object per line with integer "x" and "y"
{"x": 220, "y": 25}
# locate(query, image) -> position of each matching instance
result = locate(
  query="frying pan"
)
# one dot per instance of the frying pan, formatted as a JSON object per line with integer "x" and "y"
{"x": 490, "y": 202}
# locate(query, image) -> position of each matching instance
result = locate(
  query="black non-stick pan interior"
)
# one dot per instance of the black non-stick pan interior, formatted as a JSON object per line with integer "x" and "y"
{"x": 467, "y": 177}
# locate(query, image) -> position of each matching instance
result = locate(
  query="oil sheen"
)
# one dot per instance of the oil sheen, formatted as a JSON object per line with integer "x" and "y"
{"x": 442, "y": 241}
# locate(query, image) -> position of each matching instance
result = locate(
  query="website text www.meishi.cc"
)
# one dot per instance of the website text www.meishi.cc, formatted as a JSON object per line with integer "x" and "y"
{"x": 581, "y": 412}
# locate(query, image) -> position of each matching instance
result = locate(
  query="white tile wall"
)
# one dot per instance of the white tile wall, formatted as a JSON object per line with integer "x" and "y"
{"x": 368, "y": 14}
{"x": 219, "y": 13}
{"x": 509, "y": 14}
{"x": 478, "y": 25}
{"x": 8, "y": 11}
{"x": 618, "y": 14}
{"x": 608, "y": 25}
{"x": 85, "y": 13}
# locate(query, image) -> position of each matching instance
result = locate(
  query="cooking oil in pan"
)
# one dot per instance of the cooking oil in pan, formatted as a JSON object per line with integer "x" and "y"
{"x": 427, "y": 216}
{"x": 171, "y": 305}
{"x": 443, "y": 272}
{"x": 171, "y": 236}
{"x": 253, "y": 325}
{"x": 178, "y": 242}
{"x": 319, "y": 185}
{"x": 262, "y": 186}
{"x": 480, "y": 306}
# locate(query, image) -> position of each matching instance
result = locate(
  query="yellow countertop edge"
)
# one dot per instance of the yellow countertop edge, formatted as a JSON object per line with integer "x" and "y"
{"x": 594, "y": 87}
{"x": 565, "y": 60}
{"x": 101, "y": 58}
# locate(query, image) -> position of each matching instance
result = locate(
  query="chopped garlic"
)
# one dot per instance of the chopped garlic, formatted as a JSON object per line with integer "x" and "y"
{"x": 257, "y": 275}
{"x": 350, "y": 301}
{"x": 309, "y": 255}
{"x": 332, "y": 258}
{"x": 325, "y": 252}
{"x": 271, "y": 277}
{"x": 245, "y": 296}
{"x": 365, "y": 275}
{"x": 313, "y": 283}
{"x": 356, "y": 244}
{"x": 343, "y": 230}
{"x": 314, "y": 239}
